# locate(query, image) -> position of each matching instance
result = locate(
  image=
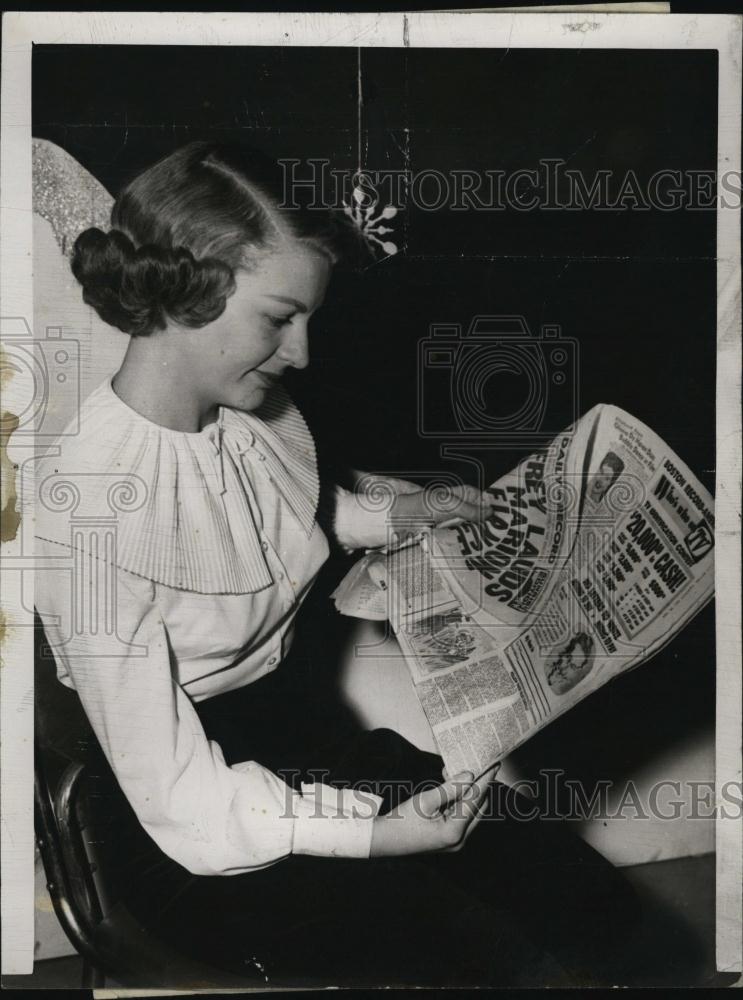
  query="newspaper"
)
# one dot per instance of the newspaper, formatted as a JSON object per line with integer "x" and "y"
{"x": 598, "y": 549}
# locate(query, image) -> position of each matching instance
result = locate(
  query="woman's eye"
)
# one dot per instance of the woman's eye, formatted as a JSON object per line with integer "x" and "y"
{"x": 278, "y": 321}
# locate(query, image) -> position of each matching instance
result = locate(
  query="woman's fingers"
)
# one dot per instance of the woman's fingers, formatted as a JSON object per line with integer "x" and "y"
{"x": 437, "y": 819}
{"x": 403, "y": 486}
{"x": 473, "y": 797}
{"x": 469, "y": 494}
{"x": 464, "y": 503}
{"x": 461, "y": 503}
{"x": 464, "y": 816}
{"x": 442, "y": 797}
{"x": 490, "y": 773}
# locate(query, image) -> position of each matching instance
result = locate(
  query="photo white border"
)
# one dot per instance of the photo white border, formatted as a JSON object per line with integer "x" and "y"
{"x": 435, "y": 29}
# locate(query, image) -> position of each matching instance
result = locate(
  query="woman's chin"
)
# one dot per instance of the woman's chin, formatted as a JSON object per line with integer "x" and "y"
{"x": 248, "y": 391}
{"x": 250, "y": 394}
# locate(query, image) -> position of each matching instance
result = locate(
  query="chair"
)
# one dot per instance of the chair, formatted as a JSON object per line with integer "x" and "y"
{"x": 77, "y": 804}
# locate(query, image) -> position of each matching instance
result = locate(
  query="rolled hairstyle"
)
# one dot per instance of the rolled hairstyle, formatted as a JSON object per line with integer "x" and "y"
{"x": 182, "y": 228}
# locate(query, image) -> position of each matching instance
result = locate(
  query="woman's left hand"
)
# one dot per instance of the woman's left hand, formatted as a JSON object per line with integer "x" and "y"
{"x": 414, "y": 508}
{"x": 462, "y": 503}
{"x": 384, "y": 511}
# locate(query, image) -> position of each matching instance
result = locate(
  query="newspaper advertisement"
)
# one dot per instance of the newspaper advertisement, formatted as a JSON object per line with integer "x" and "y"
{"x": 597, "y": 550}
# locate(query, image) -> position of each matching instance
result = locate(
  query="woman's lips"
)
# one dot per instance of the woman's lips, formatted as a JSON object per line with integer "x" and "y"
{"x": 265, "y": 377}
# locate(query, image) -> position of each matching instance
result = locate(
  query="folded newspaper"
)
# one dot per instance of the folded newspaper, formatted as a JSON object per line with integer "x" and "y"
{"x": 597, "y": 550}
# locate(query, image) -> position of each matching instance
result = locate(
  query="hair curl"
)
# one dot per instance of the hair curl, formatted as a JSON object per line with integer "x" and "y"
{"x": 184, "y": 226}
{"x": 138, "y": 289}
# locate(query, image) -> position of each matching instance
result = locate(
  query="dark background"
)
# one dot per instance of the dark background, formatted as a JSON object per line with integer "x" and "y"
{"x": 636, "y": 289}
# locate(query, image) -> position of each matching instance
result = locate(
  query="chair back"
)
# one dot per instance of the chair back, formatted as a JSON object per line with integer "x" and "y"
{"x": 87, "y": 834}
{"x": 59, "y": 775}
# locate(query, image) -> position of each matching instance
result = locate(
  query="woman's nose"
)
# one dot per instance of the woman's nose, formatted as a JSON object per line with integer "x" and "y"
{"x": 295, "y": 349}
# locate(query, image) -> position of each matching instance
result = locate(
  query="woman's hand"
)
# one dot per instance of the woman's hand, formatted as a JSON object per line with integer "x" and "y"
{"x": 381, "y": 501}
{"x": 437, "y": 819}
{"x": 486, "y": 777}
{"x": 463, "y": 503}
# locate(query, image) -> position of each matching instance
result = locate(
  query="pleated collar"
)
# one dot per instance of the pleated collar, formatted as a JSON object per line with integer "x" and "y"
{"x": 178, "y": 508}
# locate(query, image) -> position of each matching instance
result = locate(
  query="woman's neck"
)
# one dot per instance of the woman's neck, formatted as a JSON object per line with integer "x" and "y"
{"x": 154, "y": 381}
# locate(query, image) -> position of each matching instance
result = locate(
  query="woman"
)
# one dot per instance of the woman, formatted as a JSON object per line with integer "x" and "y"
{"x": 172, "y": 628}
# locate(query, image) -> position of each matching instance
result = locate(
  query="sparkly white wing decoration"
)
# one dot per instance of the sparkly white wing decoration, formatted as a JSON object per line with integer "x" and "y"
{"x": 66, "y": 194}
{"x": 73, "y": 350}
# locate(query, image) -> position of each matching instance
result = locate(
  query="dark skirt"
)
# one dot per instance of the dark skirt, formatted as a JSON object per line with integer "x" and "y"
{"x": 523, "y": 903}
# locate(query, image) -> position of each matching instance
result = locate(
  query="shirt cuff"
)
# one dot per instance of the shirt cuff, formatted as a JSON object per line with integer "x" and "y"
{"x": 334, "y": 822}
{"x": 357, "y": 526}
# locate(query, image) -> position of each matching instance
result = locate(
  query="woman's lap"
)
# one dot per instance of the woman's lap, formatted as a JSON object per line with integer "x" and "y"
{"x": 522, "y": 903}
{"x": 383, "y": 922}
{"x": 518, "y": 905}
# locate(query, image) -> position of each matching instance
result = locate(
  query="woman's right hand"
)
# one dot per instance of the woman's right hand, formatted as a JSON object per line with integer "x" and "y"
{"x": 434, "y": 820}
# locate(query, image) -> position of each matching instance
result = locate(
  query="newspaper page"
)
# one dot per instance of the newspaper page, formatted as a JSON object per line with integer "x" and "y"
{"x": 598, "y": 549}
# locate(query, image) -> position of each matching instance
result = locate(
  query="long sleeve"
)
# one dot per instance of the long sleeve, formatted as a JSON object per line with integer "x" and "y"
{"x": 364, "y": 516}
{"x": 212, "y": 818}
{"x": 356, "y": 523}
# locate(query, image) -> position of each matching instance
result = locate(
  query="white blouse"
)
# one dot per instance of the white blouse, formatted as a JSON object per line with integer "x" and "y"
{"x": 177, "y": 563}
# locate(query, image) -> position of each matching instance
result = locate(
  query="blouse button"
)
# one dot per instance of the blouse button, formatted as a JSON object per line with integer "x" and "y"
{"x": 272, "y": 661}
{"x": 280, "y": 576}
{"x": 261, "y": 458}
{"x": 264, "y": 546}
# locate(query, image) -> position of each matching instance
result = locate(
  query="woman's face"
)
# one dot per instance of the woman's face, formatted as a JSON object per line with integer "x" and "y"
{"x": 263, "y": 331}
